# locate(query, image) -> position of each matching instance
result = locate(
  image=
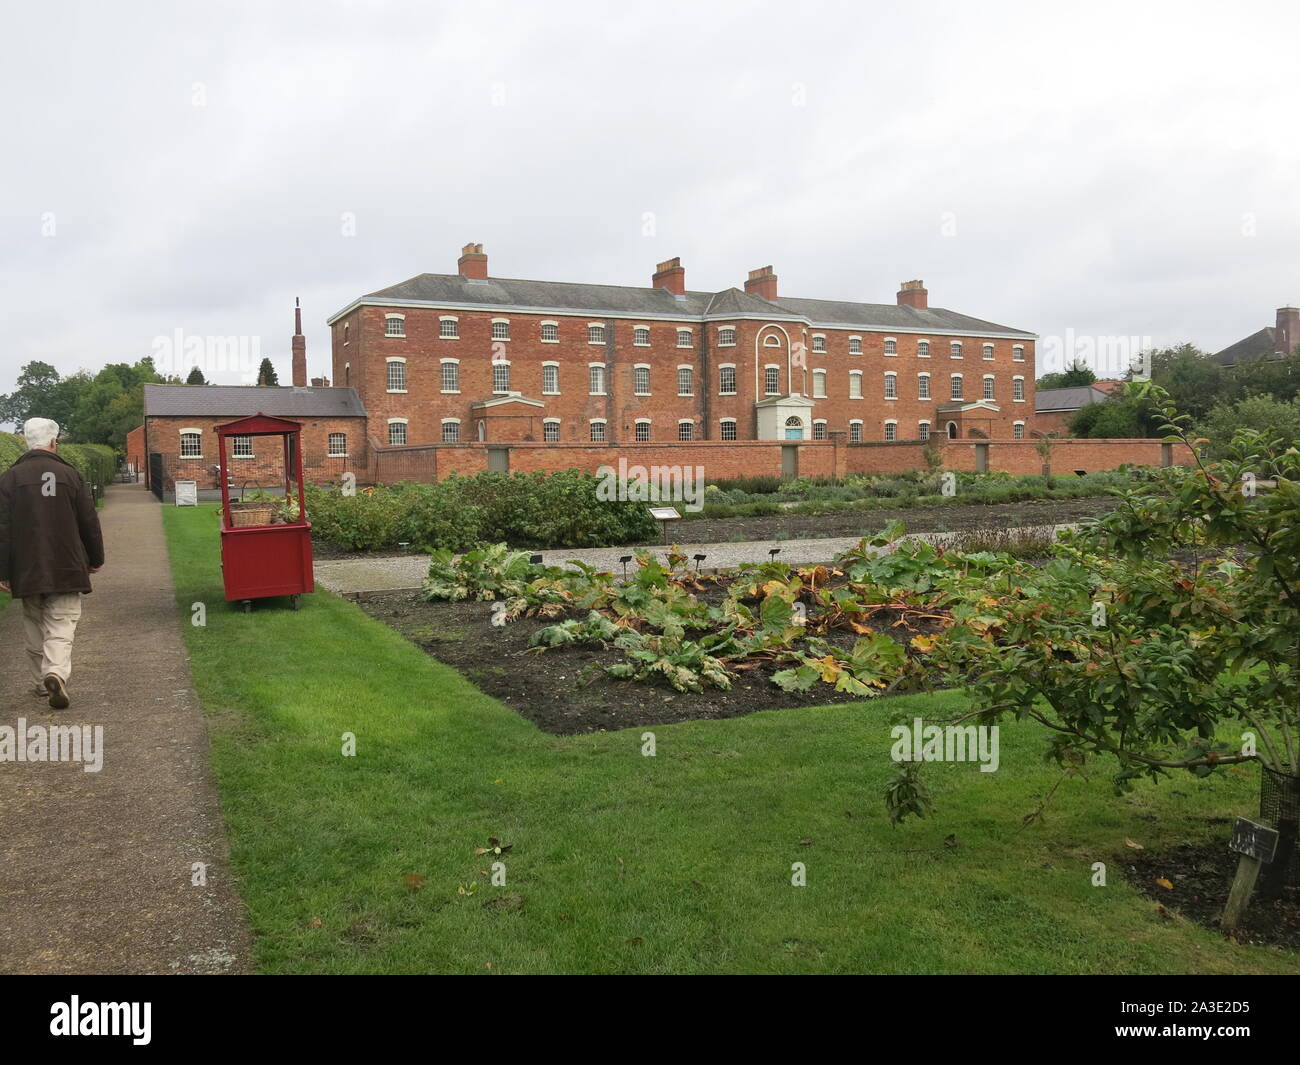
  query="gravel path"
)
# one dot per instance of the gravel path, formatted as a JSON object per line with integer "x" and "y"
{"x": 96, "y": 868}
{"x": 405, "y": 573}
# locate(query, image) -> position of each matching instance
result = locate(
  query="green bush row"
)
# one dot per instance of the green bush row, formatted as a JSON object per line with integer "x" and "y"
{"x": 538, "y": 510}
{"x": 918, "y": 488}
{"x": 97, "y": 463}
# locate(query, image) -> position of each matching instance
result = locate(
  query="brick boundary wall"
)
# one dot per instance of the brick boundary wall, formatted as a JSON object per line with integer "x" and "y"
{"x": 725, "y": 460}
{"x": 1017, "y": 456}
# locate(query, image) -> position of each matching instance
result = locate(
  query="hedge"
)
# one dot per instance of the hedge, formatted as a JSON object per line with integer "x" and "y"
{"x": 97, "y": 463}
{"x": 538, "y": 510}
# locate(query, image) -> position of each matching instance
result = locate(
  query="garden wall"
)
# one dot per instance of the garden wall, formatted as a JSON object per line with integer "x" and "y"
{"x": 1015, "y": 456}
{"x": 724, "y": 460}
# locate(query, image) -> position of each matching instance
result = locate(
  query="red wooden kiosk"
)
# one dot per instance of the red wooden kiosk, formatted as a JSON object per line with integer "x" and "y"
{"x": 265, "y": 552}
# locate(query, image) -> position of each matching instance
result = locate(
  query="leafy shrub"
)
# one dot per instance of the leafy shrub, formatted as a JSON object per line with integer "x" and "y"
{"x": 525, "y": 510}
{"x": 97, "y": 463}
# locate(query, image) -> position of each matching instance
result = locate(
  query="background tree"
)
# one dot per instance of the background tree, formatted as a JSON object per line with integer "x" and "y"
{"x": 112, "y": 404}
{"x": 1279, "y": 378}
{"x": 1192, "y": 379}
{"x": 1273, "y": 419}
{"x": 1076, "y": 376}
{"x": 42, "y": 393}
{"x": 266, "y": 373}
{"x": 196, "y": 377}
{"x": 1122, "y": 415}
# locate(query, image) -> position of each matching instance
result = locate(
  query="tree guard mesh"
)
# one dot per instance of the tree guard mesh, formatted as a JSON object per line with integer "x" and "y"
{"x": 1279, "y": 807}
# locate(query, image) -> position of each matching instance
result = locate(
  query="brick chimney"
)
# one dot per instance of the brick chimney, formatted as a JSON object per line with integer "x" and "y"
{"x": 670, "y": 275}
{"x": 472, "y": 262}
{"x": 1287, "y": 334}
{"x": 762, "y": 283}
{"x": 299, "y": 348}
{"x": 913, "y": 294}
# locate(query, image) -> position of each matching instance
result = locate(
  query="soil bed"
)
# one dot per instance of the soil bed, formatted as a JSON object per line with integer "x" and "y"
{"x": 551, "y": 689}
{"x": 917, "y": 519}
{"x": 1201, "y": 876}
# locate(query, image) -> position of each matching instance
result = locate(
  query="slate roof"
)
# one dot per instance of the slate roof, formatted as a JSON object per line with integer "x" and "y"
{"x": 237, "y": 401}
{"x": 1251, "y": 349}
{"x": 1049, "y": 399}
{"x": 893, "y": 316}
{"x": 626, "y": 300}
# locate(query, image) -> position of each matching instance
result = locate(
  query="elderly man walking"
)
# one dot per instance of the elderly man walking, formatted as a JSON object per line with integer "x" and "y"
{"x": 50, "y": 543}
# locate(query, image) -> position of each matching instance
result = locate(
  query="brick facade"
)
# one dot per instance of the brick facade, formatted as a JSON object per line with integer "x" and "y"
{"x": 266, "y": 468}
{"x": 135, "y": 450}
{"x": 761, "y": 334}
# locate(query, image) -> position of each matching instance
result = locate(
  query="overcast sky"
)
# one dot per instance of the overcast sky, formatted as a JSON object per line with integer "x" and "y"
{"x": 1110, "y": 170}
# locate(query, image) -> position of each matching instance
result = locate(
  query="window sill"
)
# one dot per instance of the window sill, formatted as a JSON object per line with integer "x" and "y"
{"x": 449, "y": 338}
{"x": 343, "y": 456}
{"x": 550, "y": 393}
{"x": 394, "y": 336}
{"x": 449, "y": 392}
{"x": 544, "y": 341}
{"x": 396, "y": 391}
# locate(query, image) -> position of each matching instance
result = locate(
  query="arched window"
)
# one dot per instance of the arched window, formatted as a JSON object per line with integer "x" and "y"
{"x": 952, "y": 430}
{"x": 794, "y": 428}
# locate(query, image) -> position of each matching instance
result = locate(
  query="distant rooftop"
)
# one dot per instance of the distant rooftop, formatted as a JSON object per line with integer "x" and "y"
{"x": 238, "y": 401}
{"x": 1047, "y": 400}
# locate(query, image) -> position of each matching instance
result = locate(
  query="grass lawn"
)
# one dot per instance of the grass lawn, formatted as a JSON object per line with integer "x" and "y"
{"x": 625, "y": 863}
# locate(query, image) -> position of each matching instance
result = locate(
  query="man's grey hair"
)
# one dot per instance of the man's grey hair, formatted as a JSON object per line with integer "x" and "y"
{"x": 40, "y": 432}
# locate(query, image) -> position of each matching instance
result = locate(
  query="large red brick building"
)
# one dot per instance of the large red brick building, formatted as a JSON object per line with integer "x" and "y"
{"x": 468, "y": 357}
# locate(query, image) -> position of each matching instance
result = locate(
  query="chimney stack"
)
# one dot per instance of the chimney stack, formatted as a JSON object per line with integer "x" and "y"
{"x": 670, "y": 275}
{"x": 299, "y": 348}
{"x": 762, "y": 283}
{"x": 472, "y": 262}
{"x": 913, "y": 294}
{"x": 1287, "y": 334}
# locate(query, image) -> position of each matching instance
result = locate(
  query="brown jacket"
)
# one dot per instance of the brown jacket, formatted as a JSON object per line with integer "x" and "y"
{"x": 49, "y": 531}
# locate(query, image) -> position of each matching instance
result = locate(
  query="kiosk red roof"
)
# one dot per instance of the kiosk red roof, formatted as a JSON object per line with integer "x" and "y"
{"x": 259, "y": 424}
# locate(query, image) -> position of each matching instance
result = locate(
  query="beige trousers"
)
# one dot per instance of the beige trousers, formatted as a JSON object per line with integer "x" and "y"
{"x": 49, "y": 622}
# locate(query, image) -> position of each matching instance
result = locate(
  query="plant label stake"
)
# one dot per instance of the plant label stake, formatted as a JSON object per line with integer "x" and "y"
{"x": 1256, "y": 844}
{"x": 664, "y": 515}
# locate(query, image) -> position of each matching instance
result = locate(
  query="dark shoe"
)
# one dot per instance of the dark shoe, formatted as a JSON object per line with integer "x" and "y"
{"x": 58, "y": 692}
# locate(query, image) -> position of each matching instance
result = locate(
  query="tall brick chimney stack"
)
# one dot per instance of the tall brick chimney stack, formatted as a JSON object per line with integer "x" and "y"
{"x": 670, "y": 275}
{"x": 472, "y": 262}
{"x": 1287, "y": 334}
{"x": 762, "y": 283}
{"x": 299, "y": 348}
{"x": 913, "y": 294}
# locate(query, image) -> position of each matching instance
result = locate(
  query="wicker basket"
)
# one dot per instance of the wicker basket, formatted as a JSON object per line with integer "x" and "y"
{"x": 251, "y": 513}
